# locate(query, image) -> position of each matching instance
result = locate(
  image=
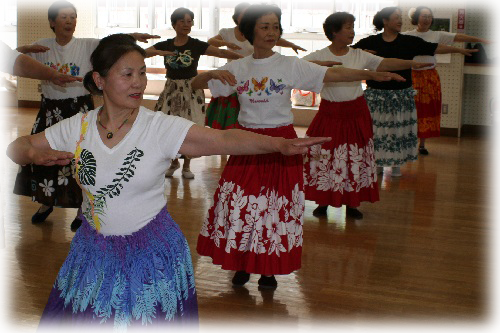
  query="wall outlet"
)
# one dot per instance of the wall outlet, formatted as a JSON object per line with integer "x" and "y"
{"x": 39, "y": 87}
{"x": 444, "y": 109}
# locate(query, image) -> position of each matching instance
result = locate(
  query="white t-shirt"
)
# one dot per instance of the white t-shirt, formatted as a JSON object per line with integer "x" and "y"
{"x": 228, "y": 35}
{"x": 127, "y": 182}
{"x": 441, "y": 37}
{"x": 71, "y": 59}
{"x": 264, "y": 87}
{"x": 354, "y": 58}
{"x": 8, "y": 58}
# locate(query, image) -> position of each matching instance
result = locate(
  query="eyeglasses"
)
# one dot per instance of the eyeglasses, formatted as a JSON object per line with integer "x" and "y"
{"x": 427, "y": 17}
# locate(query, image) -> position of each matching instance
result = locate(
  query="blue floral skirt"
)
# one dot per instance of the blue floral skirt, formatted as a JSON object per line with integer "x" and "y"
{"x": 394, "y": 118}
{"x": 125, "y": 282}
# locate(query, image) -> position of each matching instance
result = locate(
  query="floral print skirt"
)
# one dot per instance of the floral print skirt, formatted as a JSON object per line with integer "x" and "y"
{"x": 53, "y": 185}
{"x": 222, "y": 112}
{"x": 179, "y": 99}
{"x": 428, "y": 102}
{"x": 341, "y": 171}
{"x": 255, "y": 223}
{"x": 394, "y": 125}
{"x": 125, "y": 282}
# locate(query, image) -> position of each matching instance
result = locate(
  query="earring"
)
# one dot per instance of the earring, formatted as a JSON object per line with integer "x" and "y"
{"x": 100, "y": 88}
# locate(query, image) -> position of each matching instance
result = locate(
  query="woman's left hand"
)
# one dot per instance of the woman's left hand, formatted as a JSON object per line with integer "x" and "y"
{"x": 296, "y": 48}
{"x": 300, "y": 145}
{"x": 143, "y": 37}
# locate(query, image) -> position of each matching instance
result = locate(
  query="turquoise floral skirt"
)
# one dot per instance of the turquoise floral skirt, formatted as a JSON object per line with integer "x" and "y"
{"x": 394, "y": 118}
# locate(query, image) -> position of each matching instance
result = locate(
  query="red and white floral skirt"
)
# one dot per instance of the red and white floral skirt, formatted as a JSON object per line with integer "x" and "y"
{"x": 343, "y": 170}
{"x": 255, "y": 223}
{"x": 428, "y": 102}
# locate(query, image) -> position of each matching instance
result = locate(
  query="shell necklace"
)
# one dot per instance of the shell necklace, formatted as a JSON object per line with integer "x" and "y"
{"x": 111, "y": 133}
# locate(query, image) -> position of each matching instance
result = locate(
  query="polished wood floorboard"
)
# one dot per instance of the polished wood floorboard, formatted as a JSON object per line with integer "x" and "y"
{"x": 420, "y": 254}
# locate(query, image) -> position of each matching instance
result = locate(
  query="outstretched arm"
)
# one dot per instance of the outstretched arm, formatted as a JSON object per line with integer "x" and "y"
{"x": 152, "y": 51}
{"x": 201, "y": 80}
{"x": 218, "y": 41}
{"x": 394, "y": 64}
{"x": 470, "y": 39}
{"x": 203, "y": 141}
{"x": 221, "y": 53}
{"x": 342, "y": 74}
{"x": 28, "y": 67}
{"x": 443, "y": 49}
{"x": 36, "y": 149}
{"x": 284, "y": 43}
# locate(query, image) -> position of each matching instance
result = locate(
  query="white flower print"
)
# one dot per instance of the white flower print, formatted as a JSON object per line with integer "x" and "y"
{"x": 275, "y": 230}
{"x": 236, "y": 223}
{"x": 256, "y": 205}
{"x": 57, "y": 115}
{"x": 298, "y": 201}
{"x": 48, "y": 120}
{"x": 47, "y": 187}
{"x": 63, "y": 175}
{"x": 326, "y": 180}
{"x": 84, "y": 109}
{"x": 35, "y": 125}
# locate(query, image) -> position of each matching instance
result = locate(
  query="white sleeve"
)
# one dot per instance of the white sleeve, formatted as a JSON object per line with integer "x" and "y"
{"x": 313, "y": 56}
{"x": 64, "y": 135}
{"x": 446, "y": 37}
{"x": 217, "y": 88}
{"x": 224, "y": 33}
{"x": 307, "y": 76}
{"x": 8, "y": 58}
{"x": 172, "y": 131}
{"x": 370, "y": 61}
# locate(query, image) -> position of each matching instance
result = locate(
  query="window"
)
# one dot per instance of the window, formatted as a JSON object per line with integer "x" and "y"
{"x": 8, "y": 22}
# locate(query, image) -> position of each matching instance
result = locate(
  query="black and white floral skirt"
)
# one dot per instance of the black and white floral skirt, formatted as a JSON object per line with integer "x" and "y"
{"x": 178, "y": 98}
{"x": 54, "y": 185}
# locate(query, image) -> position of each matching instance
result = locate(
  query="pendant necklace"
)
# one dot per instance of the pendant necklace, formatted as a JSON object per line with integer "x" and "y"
{"x": 111, "y": 133}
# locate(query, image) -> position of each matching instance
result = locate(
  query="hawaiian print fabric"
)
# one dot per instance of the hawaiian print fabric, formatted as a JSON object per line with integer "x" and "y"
{"x": 394, "y": 125}
{"x": 54, "y": 185}
{"x": 343, "y": 170}
{"x": 124, "y": 282}
{"x": 179, "y": 99}
{"x": 428, "y": 102}
{"x": 255, "y": 223}
{"x": 222, "y": 112}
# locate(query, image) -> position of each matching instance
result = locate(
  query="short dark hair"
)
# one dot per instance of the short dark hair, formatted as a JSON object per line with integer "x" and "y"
{"x": 384, "y": 13}
{"x": 335, "y": 22}
{"x": 109, "y": 50}
{"x": 240, "y": 8}
{"x": 416, "y": 14}
{"x": 56, "y": 7}
{"x": 252, "y": 14}
{"x": 179, "y": 14}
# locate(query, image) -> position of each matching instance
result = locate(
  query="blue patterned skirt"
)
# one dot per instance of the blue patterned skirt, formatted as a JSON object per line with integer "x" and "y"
{"x": 394, "y": 118}
{"x": 125, "y": 282}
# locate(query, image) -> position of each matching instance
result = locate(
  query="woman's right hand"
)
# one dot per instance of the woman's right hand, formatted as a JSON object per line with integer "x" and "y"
{"x": 232, "y": 46}
{"x": 34, "y": 48}
{"x": 49, "y": 157}
{"x": 300, "y": 145}
{"x": 224, "y": 76}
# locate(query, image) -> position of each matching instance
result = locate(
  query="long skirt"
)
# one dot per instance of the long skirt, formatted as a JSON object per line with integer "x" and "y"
{"x": 428, "y": 102}
{"x": 125, "y": 282}
{"x": 179, "y": 99}
{"x": 53, "y": 185}
{"x": 255, "y": 223}
{"x": 394, "y": 125}
{"x": 222, "y": 112}
{"x": 342, "y": 171}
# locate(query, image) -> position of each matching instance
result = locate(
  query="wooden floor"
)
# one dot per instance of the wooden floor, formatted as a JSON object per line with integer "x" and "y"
{"x": 419, "y": 255}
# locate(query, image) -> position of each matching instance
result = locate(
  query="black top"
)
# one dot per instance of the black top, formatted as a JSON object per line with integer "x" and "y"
{"x": 184, "y": 64}
{"x": 403, "y": 47}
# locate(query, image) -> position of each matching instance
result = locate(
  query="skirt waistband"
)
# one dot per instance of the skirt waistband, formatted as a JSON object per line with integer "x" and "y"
{"x": 287, "y": 131}
{"x": 341, "y": 110}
